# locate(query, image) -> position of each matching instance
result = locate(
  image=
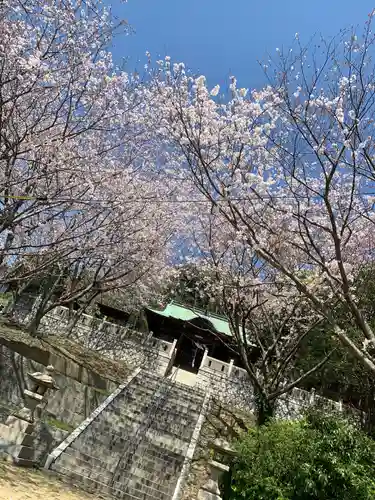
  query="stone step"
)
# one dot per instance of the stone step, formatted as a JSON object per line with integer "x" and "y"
{"x": 92, "y": 486}
{"x": 148, "y": 463}
{"x": 170, "y": 444}
{"x": 127, "y": 478}
{"x": 138, "y": 488}
{"x": 94, "y": 443}
{"x": 84, "y": 468}
{"x": 155, "y": 376}
{"x": 102, "y": 444}
{"x": 175, "y": 420}
{"x": 97, "y": 448}
{"x": 143, "y": 387}
{"x": 139, "y": 385}
{"x": 106, "y": 433}
{"x": 138, "y": 392}
{"x": 163, "y": 477}
{"x": 145, "y": 374}
{"x": 135, "y": 392}
{"x": 95, "y": 479}
{"x": 151, "y": 463}
{"x": 133, "y": 494}
{"x": 171, "y": 423}
{"x": 143, "y": 405}
{"x": 195, "y": 391}
{"x": 141, "y": 390}
{"x": 161, "y": 404}
{"x": 134, "y": 450}
{"x": 163, "y": 458}
{"x": 123, "y": 476}
{"x": 159, "y": 452}
{"x": 186, "y": 396}
{"x": 170, "y": 440}
{"x": 94, "y": 461}
{"x": 121, "y": 436}
{"x": 138, "y": 402}
{"x": 122, "y": 427}
{"x": 192, "y": 392}
{"x": 179, "y": 429}
{"x": 79, "y": 478}
{"x": 193, "y": 395}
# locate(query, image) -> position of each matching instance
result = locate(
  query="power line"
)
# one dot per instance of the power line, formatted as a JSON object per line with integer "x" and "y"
{"x": 268, "y": 197}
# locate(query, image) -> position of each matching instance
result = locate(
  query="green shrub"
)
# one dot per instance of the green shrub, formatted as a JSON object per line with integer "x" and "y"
{"x": 319, "y": 457}
{"x": 59, "y": 424}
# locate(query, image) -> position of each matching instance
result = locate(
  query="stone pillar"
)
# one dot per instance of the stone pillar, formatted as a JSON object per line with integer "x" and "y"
{"x": 230, "y": 369}
{"x": 172, "y": 348}
{"x": 312, "y": 396}
{"x": 17, "y": 432}
{"x": 204, "y": 358}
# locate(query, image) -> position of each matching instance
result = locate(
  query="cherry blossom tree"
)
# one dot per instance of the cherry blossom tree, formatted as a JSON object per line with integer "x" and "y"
{"x": 82, "y": 206}
{"x": 269, "y": 319}
{"x": 53, "y": 87}
{"x": 289, "y": 167}
{"x": 128, "y": 248}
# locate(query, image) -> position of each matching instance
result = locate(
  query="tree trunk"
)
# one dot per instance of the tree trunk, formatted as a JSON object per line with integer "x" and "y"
{"x": 265, "y": 409}
{"x": 33, "y": 326}
{"x": 40, "y": 307}
{"x": 75, "y": 316}
{"x": 72, "y": 322}
{"x": 37, "y": 312}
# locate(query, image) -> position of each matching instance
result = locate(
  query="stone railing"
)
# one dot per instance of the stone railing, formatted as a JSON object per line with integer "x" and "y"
{"x": 219, "y": 367}
{"x": 163, "y": 346}
{"x": 228, "y": 382}
{"x": 60, "y": 316}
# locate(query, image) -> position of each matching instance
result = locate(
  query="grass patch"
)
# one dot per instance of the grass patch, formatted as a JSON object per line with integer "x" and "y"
{"x": 12, "y": 336}
{"x": 58, "y": 424}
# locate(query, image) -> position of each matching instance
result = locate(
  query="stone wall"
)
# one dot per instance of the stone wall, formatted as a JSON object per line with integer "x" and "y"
{"x": 220, "y": 421}
{"x": 229, "y": 383}
{"x": 112, "y": 340}
{"x": 74, "y": 400}
{"x": 81, "y": 388}
{"x": 231, "y": 386}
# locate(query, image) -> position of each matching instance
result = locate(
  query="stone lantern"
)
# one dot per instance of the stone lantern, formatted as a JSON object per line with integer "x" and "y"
{"x": 222, "y": 447}
{"x": 35, "y": 398}
{"x": 210, "y": 490}
{"x": 17, "y": 432}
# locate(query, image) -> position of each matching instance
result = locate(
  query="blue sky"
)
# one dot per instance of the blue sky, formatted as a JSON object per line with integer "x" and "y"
{"x": 220, "y": 38}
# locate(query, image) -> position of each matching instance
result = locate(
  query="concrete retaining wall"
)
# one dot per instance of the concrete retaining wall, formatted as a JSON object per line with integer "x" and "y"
{"x": 81, "y": 390}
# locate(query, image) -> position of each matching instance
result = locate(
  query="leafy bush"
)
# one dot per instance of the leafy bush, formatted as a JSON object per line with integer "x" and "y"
{"x": 319, "y": 457}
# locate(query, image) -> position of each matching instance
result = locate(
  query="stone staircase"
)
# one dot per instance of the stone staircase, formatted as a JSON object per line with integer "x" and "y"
{"x": 135, "y": 448}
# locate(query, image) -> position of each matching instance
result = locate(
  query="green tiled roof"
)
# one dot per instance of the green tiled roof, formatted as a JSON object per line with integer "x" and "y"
{"x": 185, "y": 313}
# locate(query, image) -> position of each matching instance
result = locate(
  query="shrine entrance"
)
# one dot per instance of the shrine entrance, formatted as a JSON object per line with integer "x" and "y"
{"x": 189, "y": 354}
